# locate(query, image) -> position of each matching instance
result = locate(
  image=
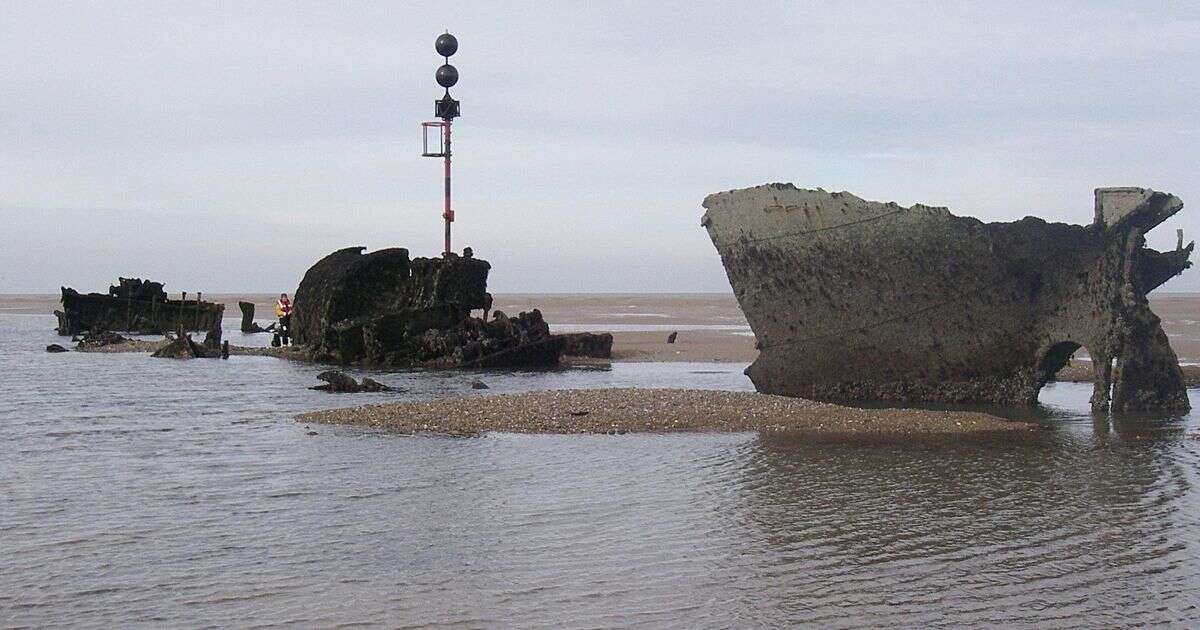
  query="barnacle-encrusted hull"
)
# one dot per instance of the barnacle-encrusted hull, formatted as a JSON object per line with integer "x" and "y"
{"x": 853, "y": 300}
{"x": 137, "y": 306}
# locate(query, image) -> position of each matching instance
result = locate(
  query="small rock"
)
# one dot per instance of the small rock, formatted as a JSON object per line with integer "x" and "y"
{"x": 311, "y": 433}
{"x": 372, "y": 385}
{"x": 579, "y": 413}
{"x": 337, "y": 382}
{"x": 479, "y": 385}
{"x": 56, "y": 348}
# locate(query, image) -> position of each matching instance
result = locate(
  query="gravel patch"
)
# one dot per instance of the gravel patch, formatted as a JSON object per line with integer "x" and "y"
{"x": 617, "y": 411}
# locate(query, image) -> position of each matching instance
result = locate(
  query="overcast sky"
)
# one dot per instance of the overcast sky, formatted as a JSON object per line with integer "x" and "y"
{"x": 228, "y": 146}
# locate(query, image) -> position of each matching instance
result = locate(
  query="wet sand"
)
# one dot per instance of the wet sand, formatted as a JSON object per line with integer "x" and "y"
{"x": 618, "y": 411}
{"x": 691, "y": 345}
{"x": 600, "y": 309}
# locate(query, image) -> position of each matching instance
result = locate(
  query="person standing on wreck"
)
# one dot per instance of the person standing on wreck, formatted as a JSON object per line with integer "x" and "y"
{"x": 283, "y": 311}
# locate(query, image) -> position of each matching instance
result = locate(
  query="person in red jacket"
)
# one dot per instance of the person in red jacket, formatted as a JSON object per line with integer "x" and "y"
{"x": 283, "y": 310}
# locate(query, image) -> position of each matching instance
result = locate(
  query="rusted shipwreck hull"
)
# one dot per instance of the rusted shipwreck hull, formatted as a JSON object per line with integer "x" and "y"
{"x": 852, "y": 300}
{"x": 384, "y": 309}
{"x": 137, "y": 306}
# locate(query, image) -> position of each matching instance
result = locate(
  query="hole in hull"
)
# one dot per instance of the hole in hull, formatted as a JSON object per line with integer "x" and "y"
{"x": 1056, "y": 358}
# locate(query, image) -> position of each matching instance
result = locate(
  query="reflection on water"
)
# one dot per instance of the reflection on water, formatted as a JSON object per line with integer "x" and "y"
{"x": 1061, "y": 530}
{"x": 138, "y": 491}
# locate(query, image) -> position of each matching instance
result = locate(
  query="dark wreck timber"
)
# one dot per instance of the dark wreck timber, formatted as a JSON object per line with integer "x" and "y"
{"x": 137, "y": 306}
{"x": 854, "y": 300}
{"x": 250, "y": 326}
{"x": 384, "y": 309}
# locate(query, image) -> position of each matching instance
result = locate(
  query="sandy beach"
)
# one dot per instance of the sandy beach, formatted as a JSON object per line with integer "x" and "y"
{"x": 618, "y": 411}
{"x": 692, "y": 345}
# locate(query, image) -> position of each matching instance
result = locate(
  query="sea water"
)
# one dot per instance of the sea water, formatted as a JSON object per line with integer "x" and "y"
{"x": 144, "y": 492}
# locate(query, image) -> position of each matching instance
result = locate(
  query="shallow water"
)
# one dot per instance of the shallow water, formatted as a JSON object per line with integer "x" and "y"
{"x": 144, "y": 492}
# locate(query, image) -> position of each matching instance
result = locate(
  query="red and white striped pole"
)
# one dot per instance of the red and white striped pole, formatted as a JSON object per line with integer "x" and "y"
{"x": 448, "y": 213}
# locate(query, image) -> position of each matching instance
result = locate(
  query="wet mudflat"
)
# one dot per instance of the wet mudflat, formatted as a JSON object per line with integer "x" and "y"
{"x": 141, "y": 491}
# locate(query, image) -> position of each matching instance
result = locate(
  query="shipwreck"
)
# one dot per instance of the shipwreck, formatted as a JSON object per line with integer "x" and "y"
{"x": 137, "y": 306}
{"x": 854, "y": 300}
{"x": 384, "y": 309}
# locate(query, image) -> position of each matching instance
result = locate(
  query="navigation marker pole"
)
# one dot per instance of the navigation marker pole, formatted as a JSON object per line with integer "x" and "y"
{"x": 447, "y": 109}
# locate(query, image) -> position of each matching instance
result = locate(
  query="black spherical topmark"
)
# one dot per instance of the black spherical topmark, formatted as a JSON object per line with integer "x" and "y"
{"x": 446, "y": 44}
{"x": 447, "y": 76}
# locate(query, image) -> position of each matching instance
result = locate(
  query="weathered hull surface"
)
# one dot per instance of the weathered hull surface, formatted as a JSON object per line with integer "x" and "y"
{"x": 383, "y": 309}
{"x": 852, "y": 300}
{"x": 134, "y": 306}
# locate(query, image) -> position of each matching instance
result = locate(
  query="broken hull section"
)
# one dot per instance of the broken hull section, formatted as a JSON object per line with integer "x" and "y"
{"x": 136, "y": 306}
{"x": 852, "y": 300}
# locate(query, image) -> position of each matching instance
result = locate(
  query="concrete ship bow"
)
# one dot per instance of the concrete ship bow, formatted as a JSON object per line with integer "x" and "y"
{"x": 859, "y": 300}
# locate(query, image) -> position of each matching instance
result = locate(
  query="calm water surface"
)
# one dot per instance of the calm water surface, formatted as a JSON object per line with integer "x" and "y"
{"x": 144, "y": 492}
